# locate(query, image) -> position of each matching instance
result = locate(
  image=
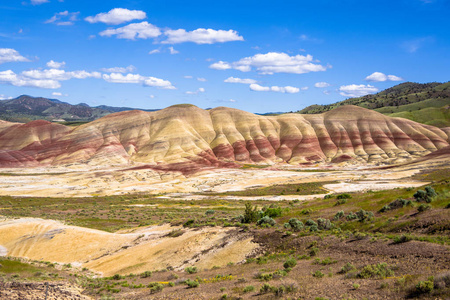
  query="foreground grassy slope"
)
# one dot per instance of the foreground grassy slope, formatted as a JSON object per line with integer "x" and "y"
{"x": 424, "y": 103}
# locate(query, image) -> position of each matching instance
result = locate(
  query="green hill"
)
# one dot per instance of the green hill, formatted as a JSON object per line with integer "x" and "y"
{"x": 426, "y": 103}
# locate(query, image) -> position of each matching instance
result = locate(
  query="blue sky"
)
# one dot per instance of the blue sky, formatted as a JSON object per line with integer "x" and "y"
{"x": 258, "y": 56}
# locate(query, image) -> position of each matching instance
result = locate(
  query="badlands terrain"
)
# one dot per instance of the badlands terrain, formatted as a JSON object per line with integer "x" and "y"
{"x": 221, "y": 203}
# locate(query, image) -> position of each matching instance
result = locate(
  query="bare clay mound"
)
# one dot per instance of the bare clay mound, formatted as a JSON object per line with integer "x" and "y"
{"x": 185, "y": 138}
{"x": 144, "y": 249}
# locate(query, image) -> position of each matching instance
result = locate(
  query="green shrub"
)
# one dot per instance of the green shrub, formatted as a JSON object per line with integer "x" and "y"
{"x": 423, "y": 207}
{"x": 192, "y": 283}
{"x": 363, "y": 215}
{"x": 248, "y": 288}
{"x": 402, "y": 239}
{"x": 385, "y": 208}
{"x": 313, "y": 251}
{"x": 146, "y": 274}
{"x": 117, "y": 277}
{"x": 171, "y": 283}
{"x": 265, "y": 288}
{"x": 295, "y": 224}
{"x": 356, "y": 286}
{"x": 340, "y": 202}
{"x": 210, "y": 212}
{"x": 272, "y": 212}
{"x": 155, "y": 287}
{"x": 310, "y": 222}
{"x": 266, "y": 220}
{"x": 425, "y": 196}
{"x": 188, "y": 223}
{"x": 340, "y": 214}
{"x": 318, "y": 274}
{"x": 344, "y": 196}
{"x": 380, "y": 271}
{"x": 191, "y": 270}
{"x": 351, "y": 216}
{"x": 347, "y": 268}
{"x": 424, "y": 287}
{"x": 324, "y": 224}
{"x": 250, "y": 214}
{"x": 290, "y": 263}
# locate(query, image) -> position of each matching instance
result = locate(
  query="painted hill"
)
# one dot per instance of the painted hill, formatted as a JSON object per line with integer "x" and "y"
{"x": 183, "y": 136}
{"x": 427, "y": 103}
{"x": 26, "y": 108}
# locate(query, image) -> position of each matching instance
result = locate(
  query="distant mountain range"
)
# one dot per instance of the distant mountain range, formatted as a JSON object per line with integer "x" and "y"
{"x": 426, "y": 103}
{"x": 26, "y": 108}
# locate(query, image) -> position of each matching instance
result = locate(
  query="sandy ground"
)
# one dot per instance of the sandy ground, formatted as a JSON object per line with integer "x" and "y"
{"x": 143, "y": 249}
{"x": 85, "y": 181}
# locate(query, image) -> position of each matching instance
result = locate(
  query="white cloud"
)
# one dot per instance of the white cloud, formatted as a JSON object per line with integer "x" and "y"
{"x": 173, "y": 51}
{"x": 10, "y": 55}
{"x": 378, "y": 76}
{"x": 240, "y": 80}
{"x": 9, "y": 77}
{"x": 56, "y": 65}
{"x": 130, "y": 68}
{"x": 63, "y": 18}
{"x": 232, "y": 100}
{"x": 46, "y": 79}
{"x": 3, "y": 97}
{"x": 143, "y": 30}
{"x": 155, "y": 51}
{"x": 220, "y": 65}
{"x": 152, "y": 96}
{"x": 273, "y": 62}
{"x": 117, "y": 16}
{"x": 305, "y": 88}
{"x": 139, "y": 79}
{"x": 321, "y": 84}
{"x": 200, "y": 90}
{"x": 280, "y": 89}
{"x": 201, "y": 36}
{"x": 188, "y": 77}
{"x": 37, "y": 2}
{"x": 326, "y": 92}
{"x": 412, "y": 46}
{"x": 201, "y": 79}
{"x": 56, "y": 94}
{"x": 354, "y": 90}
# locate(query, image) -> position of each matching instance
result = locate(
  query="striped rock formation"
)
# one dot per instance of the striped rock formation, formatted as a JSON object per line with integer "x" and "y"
{"x": 185, "y": 136}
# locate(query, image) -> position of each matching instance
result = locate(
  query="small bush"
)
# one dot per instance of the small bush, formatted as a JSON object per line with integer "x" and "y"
{"x": 344, "y": 196}
{"x": 310, "y": 222}
{"x": 155, "y": 287}
{"x": 356, "y": 286}
{"x": 351, "y": 216}
{"x": 423, "y": 207}
{"x": 318, "y": 274}
{"x": 265, "y": 288}
{"x": 290, "y": 263}
{"x": 191, "y": 283}
{"x": 380, "y": 270}
{"x": 188, "y": 223}
{"x": 250, "y": 213}
{"x": 249, "y": 288}
{"x": 146, "y": 274}
{"x": 385, "y": 208}
{"x": 425, "y": 196}
{"x": 266, "y": 220}
{"x": 363, "y": 215}
{"x": 295, "y": 224}
{"x": 442, "y": 281}
{"x": 314, "y": 251}
{"x": 340, "y": 214}
{"x": 402, "y": 239}
{"x": 210, "y": 212}
{"x": 347, "y": 268}
{"x": 340, "y": 202}
{"x": 272, "y": 212}
{"x": 191, "y": 270}
{"x": 324, "y": 224}
{"x": 424, "y": 287}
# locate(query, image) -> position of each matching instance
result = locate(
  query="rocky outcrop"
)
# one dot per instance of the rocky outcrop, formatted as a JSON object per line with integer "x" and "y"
{"x": 185, "y": 137}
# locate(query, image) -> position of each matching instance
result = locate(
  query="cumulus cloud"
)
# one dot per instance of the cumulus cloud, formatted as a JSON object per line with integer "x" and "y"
{"x": 130, "y": 68}
{"x": 38, "y": 2}
{"x": 305, "y": 88}
{"x": 220, "y": 65}
{"x": 173, "y": 51}
{"x": 354, "y": 90}
{"x": 188, "y": 77}
{"x": 139, "y": 79}
{"x": 46, "y": 79}
{"x": 273, "y": 62}
{"x": 117, "y": 16}
{"x": 155, "y": 51}
{"x": 10, "y": 55}
{"x": 240, "y": 80}
{"x": 201, "y": 79}
{"x": 200, "y": 90}
{"x": 280, "y": 89}
{"x": 143, "y": 30}
{"x": 63, "y": 18}
{"x": 201, "y": 36}
{"x": 378, "y": 76}
{"x": 56, "y": 65}
{"x": 3, "y": 97}
{"x": 56, "y": 94}
{"x": 321, "y": 84}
